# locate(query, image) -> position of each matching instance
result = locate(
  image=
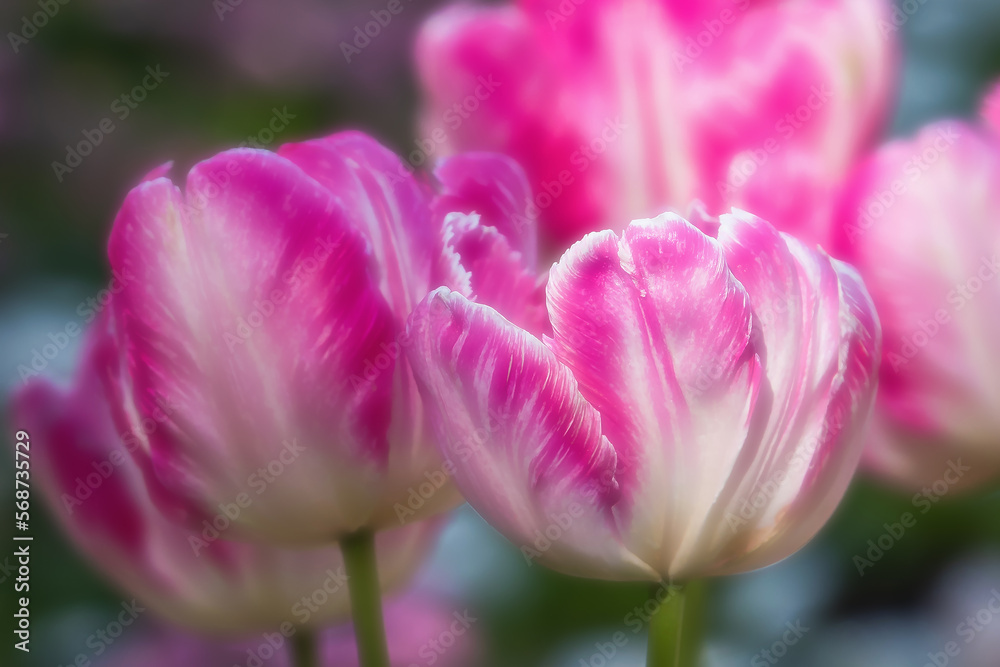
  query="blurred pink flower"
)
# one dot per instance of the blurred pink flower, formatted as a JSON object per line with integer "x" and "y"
{"x": 921, "y": 221}
{"x": 420, "y": 630}
{"x": 415, "y": 626}
{"x": 695, "y": 411}
{"x": 990, "y": 109}
{"x": 619, "y": 110}
{"x": 266, "y": 305}
{"x": 193, "y": 576}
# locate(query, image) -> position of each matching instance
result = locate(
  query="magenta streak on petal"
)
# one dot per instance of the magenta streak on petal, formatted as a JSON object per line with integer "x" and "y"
{"x": 543, "y": 450}
{"x": 253, "y": 224}
{"x": 643, "y": 323}
{"x": 385, "y": 203}
{"x": 495, "y": 187}
{"x": 497, "y": 276}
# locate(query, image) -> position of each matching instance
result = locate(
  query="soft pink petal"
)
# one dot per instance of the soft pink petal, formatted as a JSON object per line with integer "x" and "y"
{"x": 395, "y": 213}
{"x": 162, "y": 171}
{"x": 495, "y": 187}
{"x": 486, "y": 58}
{"x": 804, "y": 483}
{"x": 250, "y": 309}
{"x": 526, "y": 447}
{"x": 191, "y": 575}
{"x": 919, "y": 220}
{"x": 658, "y": 333}
{"x": 497, "y": 275}
{"x": 821, "y": 340}
{"x": 73, "y": 440}
{"x": 385, "y": 202}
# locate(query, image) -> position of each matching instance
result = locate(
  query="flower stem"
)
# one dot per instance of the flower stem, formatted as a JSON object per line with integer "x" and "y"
{"x": 304, "y": 653}
{"x": 366, "y": 600}
{"x": 675, "y": 626}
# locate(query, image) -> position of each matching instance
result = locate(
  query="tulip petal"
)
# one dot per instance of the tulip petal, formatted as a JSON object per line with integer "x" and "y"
{"x": 821, "y": 340}
{"x": 73, "y": 438}
{"x": 495, "y": 187}
{"x": 497, "y": 276}
{"x": 250, "y": 307}
{"x": 659, "y": 335}
{"x": 501, "y": 57}
{"x": 189, "y": 575}
{"x": 929, "y": 257}
{"x": 385, "y": 202}
{"x": 494, "y": 242}
{"x": 526, "y": 447}
{"x": 620, "y": 110}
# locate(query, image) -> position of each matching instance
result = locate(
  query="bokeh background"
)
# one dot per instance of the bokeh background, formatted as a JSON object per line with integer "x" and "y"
{"x": 233, "y": 66}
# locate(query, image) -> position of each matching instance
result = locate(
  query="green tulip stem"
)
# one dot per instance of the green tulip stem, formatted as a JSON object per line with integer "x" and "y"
{"x": 675, "y": 626}
{"x": 366, "y": 598}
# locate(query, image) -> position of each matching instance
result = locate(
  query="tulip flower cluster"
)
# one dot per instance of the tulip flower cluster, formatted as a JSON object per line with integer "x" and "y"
{"x": 250, "y": 381}
{"x": 269, "y": 308}
{"x": 220, "y": 585}
{"x": 621, "y": 110}
{"x": 318, "y": 350}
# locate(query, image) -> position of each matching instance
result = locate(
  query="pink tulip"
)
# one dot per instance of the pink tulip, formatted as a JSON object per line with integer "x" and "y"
{"x": 266, "y": 304}
{"x": 921, "y": 221}
{"x": 695, "y": 411}
{"x": 193, "y": 577}
{"x": 419, "y": 628}
{"x": 619, "y": 110}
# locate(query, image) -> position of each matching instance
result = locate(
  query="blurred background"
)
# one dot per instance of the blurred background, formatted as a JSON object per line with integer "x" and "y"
{"x": 226, "y": 70}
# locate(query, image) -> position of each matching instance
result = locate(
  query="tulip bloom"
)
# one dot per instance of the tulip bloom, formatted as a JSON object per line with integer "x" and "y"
{"x": 921, "y": 221}
{"x": 620, "y": 110}
{"x": 192, "y": 577}
{"x": 695, "y": 411}
{"x": 267, "y": 305}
